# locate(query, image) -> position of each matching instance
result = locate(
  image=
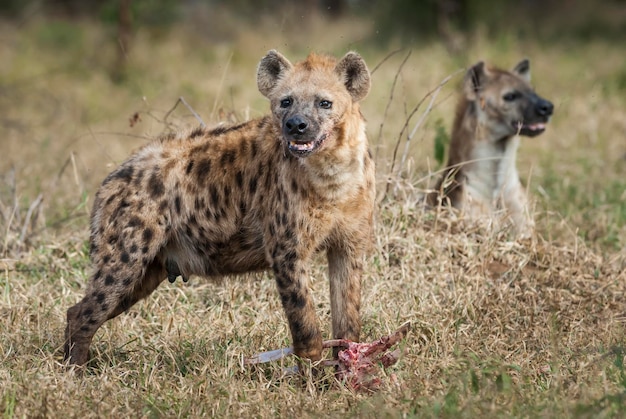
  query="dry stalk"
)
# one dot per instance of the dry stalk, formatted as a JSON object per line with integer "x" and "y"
{"x": 391, "y": 95}
{"x": 182, "y": 100}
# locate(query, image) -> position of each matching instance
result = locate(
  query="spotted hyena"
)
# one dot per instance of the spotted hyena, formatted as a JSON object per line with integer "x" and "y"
{"x": 481, "y": 178}
{"x": 263, "y": 194}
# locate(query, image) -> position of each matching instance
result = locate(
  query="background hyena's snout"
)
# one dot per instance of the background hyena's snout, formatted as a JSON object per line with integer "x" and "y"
{"x": 544, "y": 107}
{"x": 296, "y": 126}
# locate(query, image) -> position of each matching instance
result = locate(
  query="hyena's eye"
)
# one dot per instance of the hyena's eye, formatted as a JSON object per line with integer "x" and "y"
{"x": 511, "y": 96}
{"x": 326, "y": 104}
{"x": 286, "y": 102}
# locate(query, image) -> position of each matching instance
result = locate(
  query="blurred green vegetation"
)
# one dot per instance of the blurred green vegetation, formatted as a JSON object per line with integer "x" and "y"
{"x": 410, "y": 20}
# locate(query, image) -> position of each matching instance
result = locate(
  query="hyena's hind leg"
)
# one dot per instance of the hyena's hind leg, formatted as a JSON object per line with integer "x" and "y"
{"x": 110, "y": 293}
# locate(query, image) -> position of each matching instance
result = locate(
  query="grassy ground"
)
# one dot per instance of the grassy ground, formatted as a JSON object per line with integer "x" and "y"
{"x": 501, "y": 328}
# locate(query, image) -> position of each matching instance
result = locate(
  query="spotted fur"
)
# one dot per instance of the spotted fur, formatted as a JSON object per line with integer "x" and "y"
{"x": 242, "y": 198}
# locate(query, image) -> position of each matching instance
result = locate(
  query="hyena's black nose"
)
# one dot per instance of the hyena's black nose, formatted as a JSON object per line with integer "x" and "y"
{"x": 544, "y": 107}
{"x": 296, "y": 125}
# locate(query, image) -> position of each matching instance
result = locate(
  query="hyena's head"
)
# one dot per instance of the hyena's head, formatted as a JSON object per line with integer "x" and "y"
{"x": 310, "y": 99}
{"x": 505, "y": 101}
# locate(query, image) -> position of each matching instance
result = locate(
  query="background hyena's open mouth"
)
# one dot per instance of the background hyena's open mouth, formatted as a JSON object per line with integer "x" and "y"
{"x": 529, "y": 130}
{"x": 300, "y": 148}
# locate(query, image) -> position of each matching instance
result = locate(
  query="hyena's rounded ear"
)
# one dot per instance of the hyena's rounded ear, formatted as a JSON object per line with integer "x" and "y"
{"x": 475, "y": 79}
{"x": 355, "y": 75}
{"x": 271, "y": 68}
{"x": 522, "y": 69}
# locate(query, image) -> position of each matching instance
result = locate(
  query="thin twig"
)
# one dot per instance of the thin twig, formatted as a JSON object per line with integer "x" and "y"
{"x": 182, "y": 100}
{"x": 29, "y": 214}
{"x": 433, "y": 95}
{"x": 388, "y": 56}
{"x": 221, "y": 85}
{"x": 391, "y": 94}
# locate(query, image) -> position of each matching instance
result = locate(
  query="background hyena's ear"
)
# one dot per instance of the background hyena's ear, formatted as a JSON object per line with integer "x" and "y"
{"x": 522, "y": 69}
{"x": 271, "y": 68}
{"x": 475, "y": 79}
{"x": 355, "y": 75}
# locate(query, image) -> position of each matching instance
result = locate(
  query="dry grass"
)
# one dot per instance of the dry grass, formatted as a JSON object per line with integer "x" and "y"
{"x": 501, "y": 328}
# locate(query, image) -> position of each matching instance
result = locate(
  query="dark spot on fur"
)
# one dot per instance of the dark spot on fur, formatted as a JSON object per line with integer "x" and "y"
{"x": 215, "y": 196}
{"x": 297, "y": 300}
{"x": 189, "y": 167}
{"x": 104, "y": 307}
{"x": 282, "y": 280}
{"x": 138, "y": 177}
{"x": 88, "y": 312}
{"x": 252, "y": 185}
{"x": 147, "y": 235}
{"x": 155, "y": 185}
{"x": 113, "y": 239}
{"x": 253, "y": 148}
{"x": 291, "y": 256}
{"x": 109, "y": 200}
{"x": 135, "y": 222}
{"x": 97, "y": 275}
{"x": 109, "y": 280}
{"x": 228, "y": 158}
{"x": 100, "y": 297}
{"x": 202, "y": 170}
{"x": 239, "y": 179}
{"x": 125, "y": 258}
{"x": 218, "y": 131}
{"x": 177, "y": 204}
{"x": 145, "y": 249}
{"x": 124, "y": 173}
{"x": 225, "y": 129}
{"x": 85, "y": 328}
{"x": 294, "y": 186}
{"x": 196, "y": 133}
{"x": 133, "y": 249}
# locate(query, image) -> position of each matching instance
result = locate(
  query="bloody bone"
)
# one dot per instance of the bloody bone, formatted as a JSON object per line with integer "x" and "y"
{"x": 357, "y": 363}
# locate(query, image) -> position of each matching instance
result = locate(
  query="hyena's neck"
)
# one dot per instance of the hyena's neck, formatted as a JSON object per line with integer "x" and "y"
{"x": 337, "y": 174}
{"x": 487, "y": 162}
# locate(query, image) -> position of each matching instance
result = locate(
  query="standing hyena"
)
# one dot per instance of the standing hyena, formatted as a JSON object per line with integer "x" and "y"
{"x": 264, "y": 194}
{"x": 481, "y": 176}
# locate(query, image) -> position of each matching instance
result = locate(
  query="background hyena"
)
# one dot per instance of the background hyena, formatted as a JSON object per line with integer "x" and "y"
{"x": 264, "y": 194}
{"x": 481, "y": 175}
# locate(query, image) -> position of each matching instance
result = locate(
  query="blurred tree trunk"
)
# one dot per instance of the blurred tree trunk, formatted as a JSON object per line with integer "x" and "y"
{"x": 334, "y": 8}
{"x": 124, "y": 36}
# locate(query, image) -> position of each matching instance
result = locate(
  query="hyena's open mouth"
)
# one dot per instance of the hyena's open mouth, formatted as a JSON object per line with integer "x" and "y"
{"x": 301, "y": 148}
{"x": 529, "y": 130}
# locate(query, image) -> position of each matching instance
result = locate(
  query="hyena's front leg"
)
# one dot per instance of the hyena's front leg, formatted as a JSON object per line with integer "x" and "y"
{"x": 345, "y": 267}
{"x": 291, "y": 278}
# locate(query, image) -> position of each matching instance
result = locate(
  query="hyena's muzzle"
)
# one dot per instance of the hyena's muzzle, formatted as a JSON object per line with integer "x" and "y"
{"x": 536, "y": 114}
{"x": 302, "y": 135}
